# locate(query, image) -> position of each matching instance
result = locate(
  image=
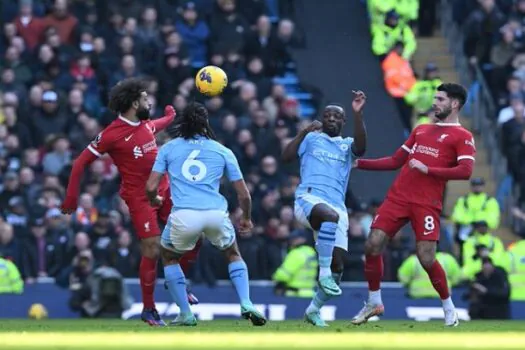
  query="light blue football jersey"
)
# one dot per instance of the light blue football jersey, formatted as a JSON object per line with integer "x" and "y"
{"x": 195, "y": 168}
{"x": 326, "y": 163}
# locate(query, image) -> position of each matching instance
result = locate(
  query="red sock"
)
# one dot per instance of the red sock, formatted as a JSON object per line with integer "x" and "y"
{"x": 148, "y": 277}
{"x": 374, "y": 271}
{"x": 189, "y": 258}
{"x": 438, "y": 277}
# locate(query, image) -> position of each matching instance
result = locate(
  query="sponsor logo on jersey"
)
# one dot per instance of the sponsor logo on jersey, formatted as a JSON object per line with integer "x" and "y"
{"x": 137, "y": 152}
{"x": 150, "y": 146}
{"x": 431, "y": 151}
{"x": 325, "y": 155}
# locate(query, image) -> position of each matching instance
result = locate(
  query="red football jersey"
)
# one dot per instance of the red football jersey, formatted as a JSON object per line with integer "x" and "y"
{"x": 133, "y": 148}
{"x": 435, "y": 145}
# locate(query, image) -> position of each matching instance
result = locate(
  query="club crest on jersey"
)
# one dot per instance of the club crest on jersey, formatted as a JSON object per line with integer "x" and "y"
{"x": 343, "y": 147}
{"x": 442, "y": 137}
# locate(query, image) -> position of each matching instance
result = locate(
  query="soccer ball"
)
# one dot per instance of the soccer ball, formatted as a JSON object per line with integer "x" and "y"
{"x": 211, "y": 81}
{"x": 37, "y": 312}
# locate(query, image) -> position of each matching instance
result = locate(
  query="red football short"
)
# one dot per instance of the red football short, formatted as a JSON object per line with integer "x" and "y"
{"x": 393, "y": 215}
{"x": 145, "y": 218}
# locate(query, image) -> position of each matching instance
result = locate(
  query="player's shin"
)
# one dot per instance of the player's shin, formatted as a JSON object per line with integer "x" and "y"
{"x": 325, "y": 247}
{"x": 438, "y": 277}
{"x": 374, "y": 274}
{"x": 148, "y": 277}
{"x": 176, "y": 283}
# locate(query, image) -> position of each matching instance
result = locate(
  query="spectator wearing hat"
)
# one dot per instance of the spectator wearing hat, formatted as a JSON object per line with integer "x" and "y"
{"x": 17, "y": 216}
{"x": 385, "y": 36}
{"x": 194, "y": 32}
{"x": 482, "y": 237}
{"x": 49, "y": 119}
{"x": 475, "y": 206}
{"x": 10, "y": 189}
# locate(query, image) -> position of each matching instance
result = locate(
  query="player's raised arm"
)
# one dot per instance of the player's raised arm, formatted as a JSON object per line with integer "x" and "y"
{"x": 290, "y": 151}
{"x": 165, "y": 121}
{"x": 359, "y": 145}
{"x": 73, "y": 187}
{"x": 394, "y": 162}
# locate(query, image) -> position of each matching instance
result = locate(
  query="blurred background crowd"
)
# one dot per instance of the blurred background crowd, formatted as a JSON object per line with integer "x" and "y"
{"x": 58, "y": 60}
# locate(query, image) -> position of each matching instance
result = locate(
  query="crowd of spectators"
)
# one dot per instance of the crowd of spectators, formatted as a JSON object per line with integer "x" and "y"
{"x": 494, "y": 39}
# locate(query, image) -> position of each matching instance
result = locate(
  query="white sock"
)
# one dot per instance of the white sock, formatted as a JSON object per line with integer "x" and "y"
{"x": 374, "y": 297}
{"x": 324, "y": 271}
{"x": 448, "y": 304}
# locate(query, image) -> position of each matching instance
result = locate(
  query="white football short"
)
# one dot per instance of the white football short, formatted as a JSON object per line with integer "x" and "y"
{"x": 185, "y": 227}
{"x": 303, "y": 207}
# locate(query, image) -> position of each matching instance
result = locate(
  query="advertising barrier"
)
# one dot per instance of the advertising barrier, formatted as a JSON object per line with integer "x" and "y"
{"x": 221, "y": 302}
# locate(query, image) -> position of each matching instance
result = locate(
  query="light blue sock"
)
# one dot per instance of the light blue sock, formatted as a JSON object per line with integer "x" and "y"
{"x": 176, "y": 282}
{"x": 325, "y": 247}
{"x": 239, "y": 277}
{"x": 321, "y": 297}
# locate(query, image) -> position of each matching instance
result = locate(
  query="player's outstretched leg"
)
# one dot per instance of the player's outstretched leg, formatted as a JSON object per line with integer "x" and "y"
{"x": 186, "y": 261}
{"x": 176, "y": 284}
{"x": 313, "y": 311}
{"x": 426, "y": 253}
{"x": 239, "y": 277}
{"x": 324, "y": 220}
{"x": 148, "y": 277}
{"x": 374, "y": 246}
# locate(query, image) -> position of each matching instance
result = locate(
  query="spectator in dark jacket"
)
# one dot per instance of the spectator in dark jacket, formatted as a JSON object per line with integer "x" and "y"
{"x": 9, "y": 246}
{"x": 194, "y": 32}
{"x": 50, "y": 119}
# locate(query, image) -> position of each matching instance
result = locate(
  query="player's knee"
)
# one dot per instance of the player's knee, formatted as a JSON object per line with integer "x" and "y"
{"x": 331, "y": 216}
{"x": 150, "y": 247}
{"x": 426, "y": 260}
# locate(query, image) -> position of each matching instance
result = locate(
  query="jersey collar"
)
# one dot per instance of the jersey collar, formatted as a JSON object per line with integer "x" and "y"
{"x": 127, "y": 121}
{"x": 335, "y": 138}
{"x": 448, "y": 124}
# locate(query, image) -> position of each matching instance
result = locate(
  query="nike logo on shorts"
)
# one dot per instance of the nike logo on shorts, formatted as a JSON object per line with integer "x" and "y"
{"x": 426, "y": 233}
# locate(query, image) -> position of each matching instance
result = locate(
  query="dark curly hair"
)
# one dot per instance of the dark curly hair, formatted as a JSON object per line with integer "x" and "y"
{"x": 192, "y": 122}
{"x": 122, "y": 95}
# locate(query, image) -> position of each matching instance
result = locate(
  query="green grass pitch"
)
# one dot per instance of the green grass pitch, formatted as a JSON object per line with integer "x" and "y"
{"x": 116, "y": 334}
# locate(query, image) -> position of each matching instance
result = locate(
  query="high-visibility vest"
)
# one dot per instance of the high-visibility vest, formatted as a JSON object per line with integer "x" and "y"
{"x": 10, "y": 280}
{"x": 421, "y": 96}
{"x": 398, "y": 75}
{"x": 473, "y": 207}
{"x": 416, "y": 279}
{"x": 385, "y": 37}
{"x": 516, "y": 270}
{"x": 299, "y": 272}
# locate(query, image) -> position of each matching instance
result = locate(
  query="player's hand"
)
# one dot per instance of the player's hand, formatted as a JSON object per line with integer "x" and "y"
{"x": 359, "y": 101}
{"x": 416, "y": 164}
{"x": 314, "y": 126}
{"x": 157, "y": 201}
{"x": 69, "y": 206}
{"x": 169, "y": 111}
{"x": 245, "y": 226}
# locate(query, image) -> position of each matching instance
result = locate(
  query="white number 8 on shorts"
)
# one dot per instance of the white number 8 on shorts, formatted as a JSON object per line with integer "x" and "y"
{"x": 429, "y": 223}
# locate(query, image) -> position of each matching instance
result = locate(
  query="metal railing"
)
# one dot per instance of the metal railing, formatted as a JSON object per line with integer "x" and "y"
{"x": 482, "y": 109}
